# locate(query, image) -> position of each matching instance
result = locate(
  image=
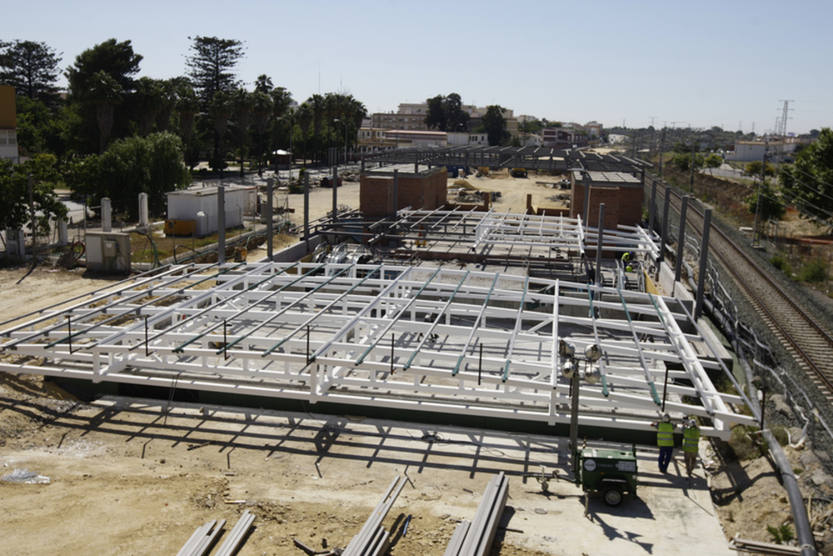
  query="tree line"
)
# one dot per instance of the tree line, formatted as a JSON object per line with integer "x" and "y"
{"x": 446, "y": 113}
{"x": 115, "y": 133}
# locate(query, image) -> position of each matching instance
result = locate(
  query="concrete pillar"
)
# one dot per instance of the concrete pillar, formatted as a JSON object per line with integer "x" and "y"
{"x": 221, "y": 224}
{"x": 704, "y": 259}
{"x": 106, "y": 215}
{"x": 144, "y": 221}
{"x": 600, "y": 242}
{"x": 306, "y": 209}
{"x": 395, "y": 191}
{"x": 678, "y": 264}
{"x": 63, "y": 235}
{"x": 15, "y": 243}
{"x": 270, "y": 184}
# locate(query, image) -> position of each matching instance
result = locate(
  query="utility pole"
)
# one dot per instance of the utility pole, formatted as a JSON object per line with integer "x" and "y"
{"x": 755, "y": 237}
{"x": 661, "y": 150}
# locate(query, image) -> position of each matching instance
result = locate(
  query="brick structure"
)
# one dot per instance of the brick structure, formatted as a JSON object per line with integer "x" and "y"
{"x": 424, "y": 190}
{"x": 620, "y": 192}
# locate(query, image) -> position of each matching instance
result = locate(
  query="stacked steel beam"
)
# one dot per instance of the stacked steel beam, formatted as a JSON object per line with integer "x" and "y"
{"x": 475, "y": 537}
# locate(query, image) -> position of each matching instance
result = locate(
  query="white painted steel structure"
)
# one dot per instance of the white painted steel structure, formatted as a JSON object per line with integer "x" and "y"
{"x": 427, "y": 338}
{"x": 512, "y": 230}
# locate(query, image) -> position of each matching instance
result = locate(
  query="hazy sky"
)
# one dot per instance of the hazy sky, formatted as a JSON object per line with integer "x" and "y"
{"x": 724, "y": 63}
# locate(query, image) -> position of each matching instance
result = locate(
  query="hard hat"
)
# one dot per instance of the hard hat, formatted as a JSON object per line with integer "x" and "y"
{"x": 691, "y": 423}
{"x": 666, "y": 417}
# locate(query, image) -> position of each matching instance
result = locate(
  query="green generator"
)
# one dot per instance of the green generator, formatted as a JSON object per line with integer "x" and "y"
{"x": 609, "y": 471}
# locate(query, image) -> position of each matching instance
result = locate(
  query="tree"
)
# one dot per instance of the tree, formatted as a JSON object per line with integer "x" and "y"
{"x": 241, "y": 103}
{"x": 14, "y": 190}
{"x": 98, "y": 81}
{"x": 754, "y": 169}
{"x": 31, "y": 68}
{"x": 435, "y": 116}
{"x": 495, "y": 125}
{"x": 809, "y": 181}
{"x": 219, "y": 113}
{"x": 116, "y": 59}
{"x": 149, "y": 100}
{"x": 457, "y": 119}
{"x": 714, "y": 160}
{"x": 211, "y": 65}
{"x": 151, "y": 165}
{"x": 772, "y": 206}
{"x": 446, "y": 113}
{"x": 682, "y": 161}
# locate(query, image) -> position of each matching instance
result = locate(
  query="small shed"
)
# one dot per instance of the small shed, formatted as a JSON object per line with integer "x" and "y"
{"x": 185, "y": 205}
{"x": 622, "y": 194}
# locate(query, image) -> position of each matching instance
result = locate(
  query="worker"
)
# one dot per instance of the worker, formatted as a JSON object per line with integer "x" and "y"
{"x": 665, "y": 442}
{"x": 691, "y": 440}
{"x": 626, "y": 259}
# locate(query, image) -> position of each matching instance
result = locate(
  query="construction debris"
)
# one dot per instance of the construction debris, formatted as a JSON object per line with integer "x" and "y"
{"x": 238, "y": 534}
{"x": 474, "y": 538}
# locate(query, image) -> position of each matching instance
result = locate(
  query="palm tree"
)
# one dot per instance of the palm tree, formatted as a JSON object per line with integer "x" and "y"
{"x": 105, "y": 92}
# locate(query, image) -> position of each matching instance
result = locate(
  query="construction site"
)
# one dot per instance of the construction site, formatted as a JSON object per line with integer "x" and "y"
{"x": 459, "y": 351}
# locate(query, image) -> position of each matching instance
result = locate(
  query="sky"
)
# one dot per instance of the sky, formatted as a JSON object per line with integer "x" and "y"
{"x": 724, "y": 63}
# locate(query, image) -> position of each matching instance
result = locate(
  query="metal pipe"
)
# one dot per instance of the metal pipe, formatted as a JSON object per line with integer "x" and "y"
{"x": 600, "y": 243}
{"x": 221, "y": 224}
{"x": 306, "y": 209}
{"x": 269, "y": 232}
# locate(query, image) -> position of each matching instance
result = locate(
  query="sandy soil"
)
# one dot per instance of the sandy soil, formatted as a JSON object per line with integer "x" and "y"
{"x": 514, "y": 190}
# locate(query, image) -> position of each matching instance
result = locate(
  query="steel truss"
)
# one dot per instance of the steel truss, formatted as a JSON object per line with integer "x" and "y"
{"x": 429, "y": 338}
{"x": 531, "y": 235}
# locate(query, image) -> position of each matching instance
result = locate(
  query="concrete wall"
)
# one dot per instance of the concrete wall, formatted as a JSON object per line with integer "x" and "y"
{"x": 184, "y": 205}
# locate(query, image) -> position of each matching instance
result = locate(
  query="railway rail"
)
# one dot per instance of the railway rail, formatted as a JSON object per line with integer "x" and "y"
{"x": 803, "y": 337}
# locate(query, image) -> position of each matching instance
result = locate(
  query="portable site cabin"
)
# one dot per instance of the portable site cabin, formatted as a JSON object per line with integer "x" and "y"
{"x": 195, "y": 210}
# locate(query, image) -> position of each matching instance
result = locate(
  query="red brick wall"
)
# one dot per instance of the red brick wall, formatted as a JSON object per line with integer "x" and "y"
{"x": 418, "y": 192}
{"x": 623, "y": 205}
{"x": 375, "y": 196}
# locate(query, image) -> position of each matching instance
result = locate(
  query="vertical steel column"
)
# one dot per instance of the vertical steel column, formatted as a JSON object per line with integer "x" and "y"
{"x": 270, "y": 183}
{"x": 678, "y": 264}
{"x": 652, "y": 210}
{"x": 704, "y": 257}
{"x": 306, "y": 209}
{"x": 221, "y": 224}
{"x": 664, "y": 235}
{"x": 585, "y": 179}
{"x": 599, "y": 244}
{"x": 574, "y": 421}
{"x": 335, "y": 187}
{"x": 395, "y": 191}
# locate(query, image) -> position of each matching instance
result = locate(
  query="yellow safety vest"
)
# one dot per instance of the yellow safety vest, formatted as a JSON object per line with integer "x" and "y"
{"x": 691, "y": 438}
{"x": 665, "y": 434}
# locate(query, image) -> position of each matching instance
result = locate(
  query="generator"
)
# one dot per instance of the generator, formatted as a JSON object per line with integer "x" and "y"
{"x": 609, "y": 471}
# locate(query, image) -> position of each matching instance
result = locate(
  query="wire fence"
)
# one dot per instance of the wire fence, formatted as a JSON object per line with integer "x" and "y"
{"x": 755, "y": 345}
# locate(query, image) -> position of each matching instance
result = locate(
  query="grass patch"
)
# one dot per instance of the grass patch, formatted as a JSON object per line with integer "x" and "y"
{"x": 814, "y": 270}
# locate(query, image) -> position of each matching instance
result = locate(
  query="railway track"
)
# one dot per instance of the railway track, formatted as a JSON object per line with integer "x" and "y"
{"x": 801, "y": 335}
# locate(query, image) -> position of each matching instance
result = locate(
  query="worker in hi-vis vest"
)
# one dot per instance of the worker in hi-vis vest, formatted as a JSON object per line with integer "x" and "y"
{"x": 691, "y": 441}
{"x": 626, "y": 259}
{"x": 665, "y": 442}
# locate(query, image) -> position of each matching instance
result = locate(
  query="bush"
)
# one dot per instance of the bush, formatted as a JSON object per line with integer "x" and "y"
{"x": 742, "y": 443}
{"x": 779, "y": 262}
{"x": 781, "y": 534}
{"x": 814, "y": 270}
{"x": 780, "y": 434}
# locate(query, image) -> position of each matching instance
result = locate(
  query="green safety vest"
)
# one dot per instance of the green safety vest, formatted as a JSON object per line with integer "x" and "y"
{"x": 665, "y": 434}
{"x": 691, "y": 437}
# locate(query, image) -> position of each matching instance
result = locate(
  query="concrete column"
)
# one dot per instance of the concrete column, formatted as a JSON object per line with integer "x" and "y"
{"x": 143, "y": 211}
{"x": 63, "y": 235}
{"x": 221, "y": 224}
{"x": 306, "y": 209}
{"x": 678, "y": 264}
{"x": 106, "y": 215}
{"x": 600, "y": 242}
{"x": 704, "y": 258}
{"x": 395, "y": 191}
{"x": 270, "y": 184}
{"x": 15, "y": 243}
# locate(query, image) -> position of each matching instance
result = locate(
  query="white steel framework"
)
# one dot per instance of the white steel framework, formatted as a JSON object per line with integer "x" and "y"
{"x": 427, "y": 338}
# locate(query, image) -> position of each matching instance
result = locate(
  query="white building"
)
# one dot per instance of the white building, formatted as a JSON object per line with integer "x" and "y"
{"x": 200, "y": 206}
{"x": 462, "y": 138}
{"x": 414, "y": 138}
{"x": 751, "y": 151}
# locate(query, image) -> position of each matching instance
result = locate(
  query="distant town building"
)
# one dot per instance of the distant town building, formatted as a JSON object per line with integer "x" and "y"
{"x": 8, "y": 125}
{"x": 403, "y": 138}
{"x": 750, "y": 151}
{"x": 411, "y": 116}
{"x": 462, "y": 138}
